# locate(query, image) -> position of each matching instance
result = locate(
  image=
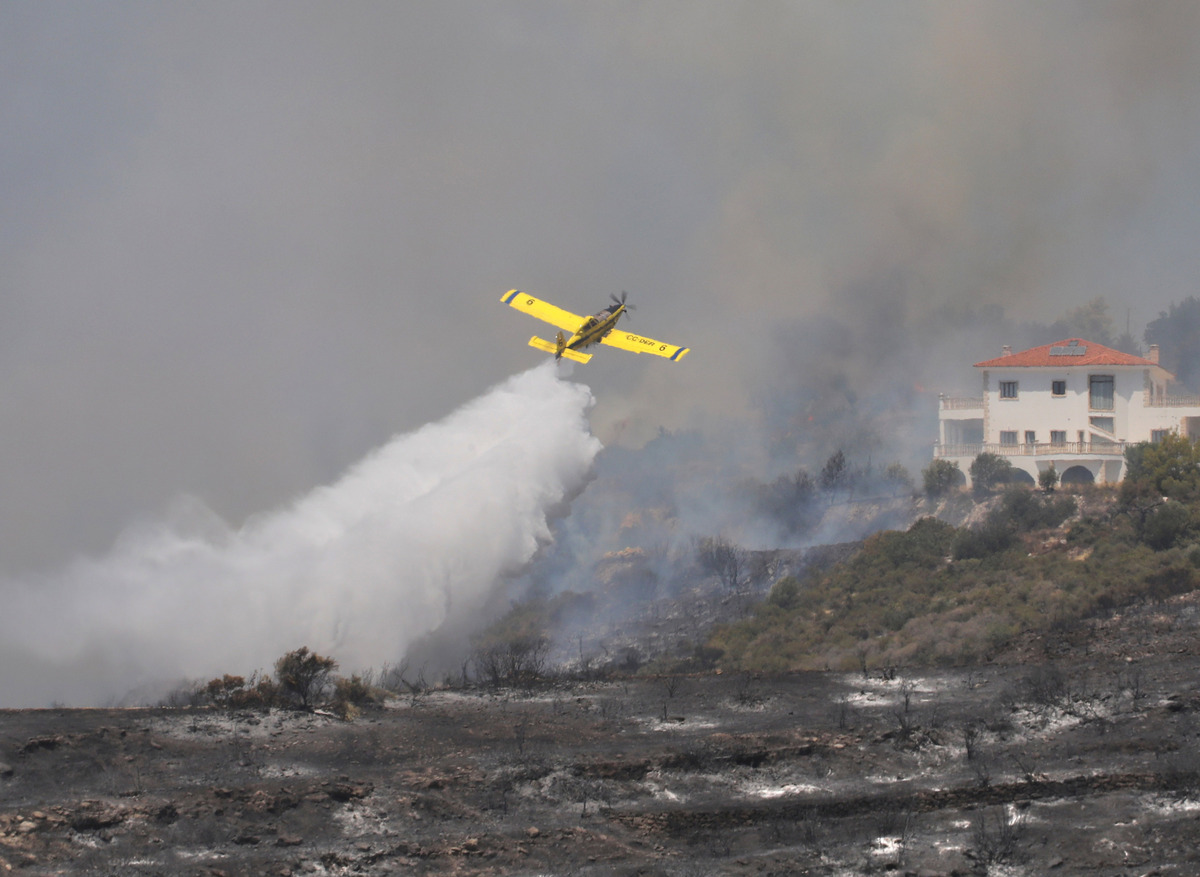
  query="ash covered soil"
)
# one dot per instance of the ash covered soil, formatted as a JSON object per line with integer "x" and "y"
{"x": 1074, "y": 755}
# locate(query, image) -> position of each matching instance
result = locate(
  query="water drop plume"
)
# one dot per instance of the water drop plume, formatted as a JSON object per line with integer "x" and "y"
{"x": 415, "y": 535}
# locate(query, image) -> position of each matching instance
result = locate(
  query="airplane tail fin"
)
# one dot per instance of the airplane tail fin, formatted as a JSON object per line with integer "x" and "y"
{"x": 559, "y": 349}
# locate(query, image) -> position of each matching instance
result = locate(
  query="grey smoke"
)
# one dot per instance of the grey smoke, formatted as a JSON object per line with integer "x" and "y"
{"x": 241, "y": 244}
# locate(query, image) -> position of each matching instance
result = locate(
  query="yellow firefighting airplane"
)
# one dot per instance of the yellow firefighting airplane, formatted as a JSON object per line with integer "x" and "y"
{"x": 586, "y": 331}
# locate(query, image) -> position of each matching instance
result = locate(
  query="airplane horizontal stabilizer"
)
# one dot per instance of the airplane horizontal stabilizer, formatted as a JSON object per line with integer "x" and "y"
{"x": 549, "y": 347}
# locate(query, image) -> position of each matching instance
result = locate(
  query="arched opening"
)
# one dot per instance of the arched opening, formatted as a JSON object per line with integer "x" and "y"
{"x": 1020, "y": 476}
{"x": 1077, "y": 475}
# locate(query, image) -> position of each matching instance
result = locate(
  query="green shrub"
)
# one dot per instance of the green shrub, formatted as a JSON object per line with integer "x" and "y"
{"x": 1170, "y": 468}
{"x": 989, "y": 471}
{"x": 925, "y": 544}
{"x": 785, "y": 593}
{"x": 1169, "y": 581}
{"x": 1048, "y": 479}
{"x": 991, "y": 537}
{"x": 941, "y": 477}
{"x": 1193, "y": 555}
{"x": 1166, "y": 525}
{"x": 1024, "y": 509}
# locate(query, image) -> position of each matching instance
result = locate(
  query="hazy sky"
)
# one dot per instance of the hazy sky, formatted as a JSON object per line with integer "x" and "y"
{"x": 242, "y": 244}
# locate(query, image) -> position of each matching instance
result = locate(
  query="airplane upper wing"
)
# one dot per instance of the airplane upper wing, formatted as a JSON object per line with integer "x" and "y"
{"x": 543, "y": 311}
{"x": 638, "y": 344}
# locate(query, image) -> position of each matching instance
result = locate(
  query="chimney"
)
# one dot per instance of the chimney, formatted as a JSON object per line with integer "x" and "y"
{"x": 1153, "y": 355}
{"x": 1006, "y": 350}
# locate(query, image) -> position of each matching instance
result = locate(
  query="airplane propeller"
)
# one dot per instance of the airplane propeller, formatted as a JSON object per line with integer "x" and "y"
{"x": 621, "y": 300}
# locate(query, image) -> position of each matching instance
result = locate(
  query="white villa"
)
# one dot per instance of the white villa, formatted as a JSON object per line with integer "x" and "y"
{"x": 1073, "y": 404}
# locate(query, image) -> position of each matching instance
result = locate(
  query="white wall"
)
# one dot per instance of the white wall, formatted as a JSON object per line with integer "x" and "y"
{"x": 1037, "y": 409}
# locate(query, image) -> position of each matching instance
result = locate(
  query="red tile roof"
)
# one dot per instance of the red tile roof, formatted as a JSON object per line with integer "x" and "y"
{"x": 1060, "y": 355}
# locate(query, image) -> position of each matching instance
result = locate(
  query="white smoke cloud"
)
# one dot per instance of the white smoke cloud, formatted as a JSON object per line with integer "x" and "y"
{"x": 415, "y": 535}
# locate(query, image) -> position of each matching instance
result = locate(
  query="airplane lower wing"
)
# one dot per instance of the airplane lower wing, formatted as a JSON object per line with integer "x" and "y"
{"x": 543, "y": 310}
{"x": 638, "y": 344}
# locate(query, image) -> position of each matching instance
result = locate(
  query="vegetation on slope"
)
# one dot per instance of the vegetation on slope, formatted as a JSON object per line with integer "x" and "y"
{"x": 942, "y": 595}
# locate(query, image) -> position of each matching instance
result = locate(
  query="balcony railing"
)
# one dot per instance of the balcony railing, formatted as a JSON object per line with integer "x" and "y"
{"x": 974, "y": 403}
{"x": 961, "y": 403}
{"x": 1174, "y": 402}
{"x": 1040, "y": 449}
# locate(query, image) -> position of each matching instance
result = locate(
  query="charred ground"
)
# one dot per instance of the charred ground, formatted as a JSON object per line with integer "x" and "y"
{"x": 1083, "y": 764}
{"x": 1076, "y": 755}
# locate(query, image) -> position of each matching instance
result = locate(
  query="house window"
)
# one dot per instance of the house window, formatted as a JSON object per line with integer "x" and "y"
{"x": 1058, "y": 388}
{"x": 1058, "y": 437}
{"x": 1008, "y": 438}
{"x": 1157, "y": 435}
{"x": 1104, "y": 423}
{"x": 1008, "y": 389}
{"x": 1100, "y": 392}
{"x": 1030, "y": 437}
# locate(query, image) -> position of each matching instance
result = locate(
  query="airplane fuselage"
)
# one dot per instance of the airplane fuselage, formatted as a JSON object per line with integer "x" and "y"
{"x": 596, "y": 327}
